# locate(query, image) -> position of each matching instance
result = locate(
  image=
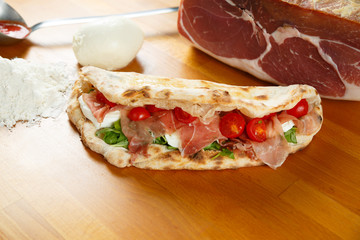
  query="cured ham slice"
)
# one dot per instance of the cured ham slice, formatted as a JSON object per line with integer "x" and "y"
{"x": 98, "y": 109}
{"x": 281, "y": 41}
{"x": 305, "y": 125}
{"x": 198, "y": 135}
{"x": 140, "y": 133}
{"x": 194, "y": 136}
{"x": 168, "y": 120}
{"x": 273, "y": 152}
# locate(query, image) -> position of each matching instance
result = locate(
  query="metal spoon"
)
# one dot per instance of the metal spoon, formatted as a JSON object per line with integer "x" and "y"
{"x": 8, "y": 14}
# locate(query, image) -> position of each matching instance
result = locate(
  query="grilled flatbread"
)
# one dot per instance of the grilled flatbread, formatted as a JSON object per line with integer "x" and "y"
{"x": 201, "y": 99}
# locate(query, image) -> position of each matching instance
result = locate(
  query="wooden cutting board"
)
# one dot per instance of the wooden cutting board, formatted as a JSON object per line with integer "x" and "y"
{"x": 52, "y": 187}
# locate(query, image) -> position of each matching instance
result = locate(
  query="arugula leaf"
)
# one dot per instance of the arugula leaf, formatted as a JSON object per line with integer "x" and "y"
{"x": 123, "y": 143}
{"x": 113, "y": 135}
{"x": 101, "y": 132}
{"x": 117, "y": 125}
{"x": 290, "y": 135}
{"x": 160, "y": 140}
{"x": 171, "y": 147}
{"x": 224, "y": 152}
{"x": 227, "y": 153}
{"x": 163, "y": 141}
{"x": 213, "y": 146}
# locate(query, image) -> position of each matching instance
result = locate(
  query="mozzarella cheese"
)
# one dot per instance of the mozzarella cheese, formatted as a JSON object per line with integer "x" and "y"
{"x": 111, "y": 43}
{"x": 287, "y": 125}
{"x": 109, "y": 118}
{"x": 173, "y": 139}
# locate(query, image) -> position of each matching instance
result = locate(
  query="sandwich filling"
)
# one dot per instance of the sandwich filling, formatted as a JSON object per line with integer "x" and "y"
{"x": 267, "y": 138}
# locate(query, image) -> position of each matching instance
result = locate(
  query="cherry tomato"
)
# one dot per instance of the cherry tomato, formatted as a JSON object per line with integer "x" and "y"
{"x": 232, "y": 125}
{"x": 138, "y": 114}
{"x": 300, "y": 109}
{"x": 152, "y": 108}
{"x": 268, "y": 116}
{"x": 101, "y": 98}
{"x": 183, "y": 116}
{"x": 256, "y": 129}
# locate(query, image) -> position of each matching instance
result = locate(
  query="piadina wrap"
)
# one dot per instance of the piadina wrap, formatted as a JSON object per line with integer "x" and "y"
{"x": 204, "y": 100}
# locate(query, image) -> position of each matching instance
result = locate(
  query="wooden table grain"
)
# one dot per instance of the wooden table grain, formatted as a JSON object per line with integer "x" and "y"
{"x": 52, "y": 187}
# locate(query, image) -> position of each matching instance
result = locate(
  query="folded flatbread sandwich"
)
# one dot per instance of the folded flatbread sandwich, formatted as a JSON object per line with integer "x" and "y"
{"x": 171, "y": 123}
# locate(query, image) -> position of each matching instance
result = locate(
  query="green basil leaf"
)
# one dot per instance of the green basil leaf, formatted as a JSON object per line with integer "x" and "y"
{"x": 290, "y": 135}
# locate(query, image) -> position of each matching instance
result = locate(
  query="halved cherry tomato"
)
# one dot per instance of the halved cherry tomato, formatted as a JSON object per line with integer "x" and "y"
{"x": 300, "y": 109}
{"x": 101, "y": 98}
{"x": 183, "y": 116}
{"x": 152, "y": 108}
{"x": 256, "y": 129}
{"x": 138, "y": 114}
{"x": 232, "y": 125}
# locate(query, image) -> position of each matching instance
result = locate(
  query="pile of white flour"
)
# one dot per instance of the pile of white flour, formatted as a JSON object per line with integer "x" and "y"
{"x": 30, "y": 91}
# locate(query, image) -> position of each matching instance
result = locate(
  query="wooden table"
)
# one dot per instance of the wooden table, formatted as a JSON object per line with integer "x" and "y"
{"x": 52, "y": 187}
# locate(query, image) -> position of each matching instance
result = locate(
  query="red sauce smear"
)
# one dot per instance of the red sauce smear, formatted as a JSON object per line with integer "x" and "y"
{"x": 13, "y": 29}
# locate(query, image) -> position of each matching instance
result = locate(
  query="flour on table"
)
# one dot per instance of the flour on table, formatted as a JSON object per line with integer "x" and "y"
{"x": 30, "y": 91}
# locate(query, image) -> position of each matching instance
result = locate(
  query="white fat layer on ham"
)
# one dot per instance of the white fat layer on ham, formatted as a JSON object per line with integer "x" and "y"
{"x": 230, "y": 2}
{"x": 280, "y": 35}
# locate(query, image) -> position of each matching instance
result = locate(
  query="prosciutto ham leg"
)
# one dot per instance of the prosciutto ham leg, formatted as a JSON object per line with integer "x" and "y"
{"x": 281, "y": 41}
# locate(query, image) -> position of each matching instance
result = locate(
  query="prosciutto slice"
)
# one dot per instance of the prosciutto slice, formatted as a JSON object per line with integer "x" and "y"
{"x": 273, "y": 152}
{"x": 168, "y": 120}
{"x": 98, "y": 109}
{"x": 305, "y": 125}
{"x": 140, "y": 133}
{"x": 194, "y": 136}
{"x": 198, "y": 135}
{"x": 275, "y": 149}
